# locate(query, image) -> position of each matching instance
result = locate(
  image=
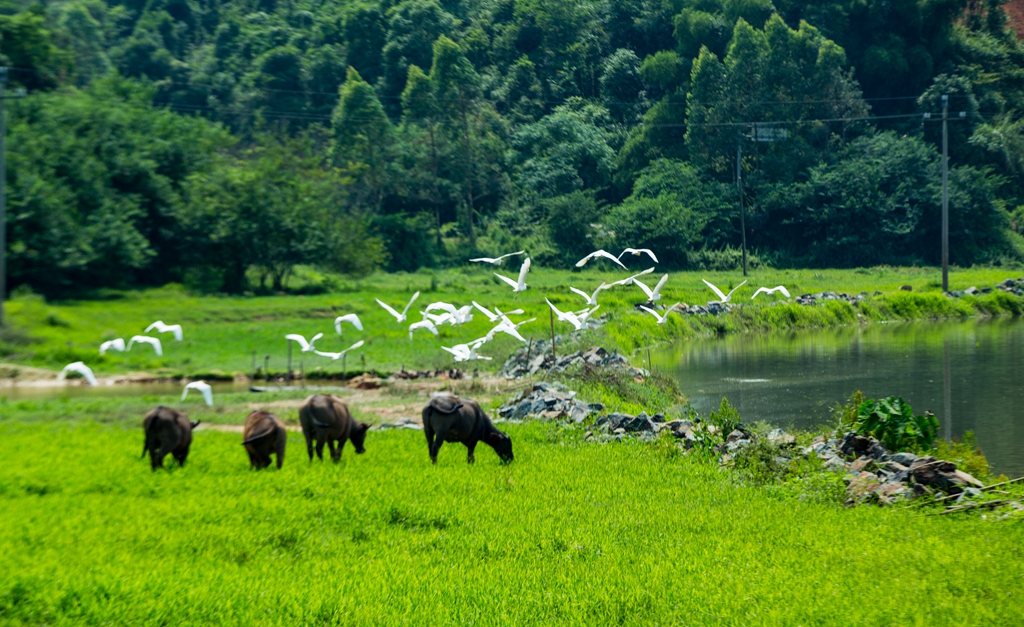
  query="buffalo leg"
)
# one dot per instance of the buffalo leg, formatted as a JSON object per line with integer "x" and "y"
{"x": 280, "y": 455}
{"x": 309, "y": 444}
{"x": 335, "y": 451}
{"x": 429, "y": 432}
{"x": 436, "y": 446}
{"x": 157, "y": 457}
{"x": 180, "y": 456}
{"x": 469, "y": 452}
{"x": 320, "y": 448}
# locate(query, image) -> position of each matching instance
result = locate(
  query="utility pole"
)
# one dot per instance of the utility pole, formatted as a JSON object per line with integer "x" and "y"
{"x": 739, "y": 187}
{"x": 945, "y": 193}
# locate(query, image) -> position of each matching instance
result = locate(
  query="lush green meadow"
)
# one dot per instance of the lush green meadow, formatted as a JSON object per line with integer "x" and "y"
{"x": 222, "y": 333}
{"x": 571, "y": 533}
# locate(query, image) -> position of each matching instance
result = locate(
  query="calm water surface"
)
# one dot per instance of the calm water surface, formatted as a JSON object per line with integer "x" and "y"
{"x": 968, "y": 374}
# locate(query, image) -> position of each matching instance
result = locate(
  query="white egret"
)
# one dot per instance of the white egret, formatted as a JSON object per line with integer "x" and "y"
{"x": 160, "y": 327}
{"x": 496, "y": 260}
{"x": 584, "y": 316}
{"x": 493, "y": 317}
{"x": 462, "y": 315}
{"x": 144, "y": 339}
{"x": 566, "y": 316}
{"x": 307, "y": 347}
{"x": 660, "y": 318}
{"x": 636, "y": 252}
{"x": 467, "y": 352}
{"x": 599, "y": 253}
{"x": 422, "y": 324}
{"x": 508, "y": 328}
{"x": 771, "y": 290}
{"x": 399, "y": 317}
{"x": 337, "y": 356}
{"x": 655, "y": 294}
{"x": 112, "y": 345}
{"x": 591, "y": 298}
{"x": 81, "y": 369}
{"x": 722, "y": 298}
{"x": 203, "y": 387}
{"x": 628, "y": 280}
{"x": 441, "y": 306}
{"x": 519, "y": 286}
{"x": 437, "y": 319}
{"x": 351, "y": 319}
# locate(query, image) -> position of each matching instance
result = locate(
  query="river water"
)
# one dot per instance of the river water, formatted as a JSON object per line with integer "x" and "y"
{"x": 969, "y": 374}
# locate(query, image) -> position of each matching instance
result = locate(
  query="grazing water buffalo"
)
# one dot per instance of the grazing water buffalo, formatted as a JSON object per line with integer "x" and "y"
{"x": 451, "y": 419}
{"x": 326, "y": 419}
{"x": 264, "y": 434}
{"x": 167, "y": 431}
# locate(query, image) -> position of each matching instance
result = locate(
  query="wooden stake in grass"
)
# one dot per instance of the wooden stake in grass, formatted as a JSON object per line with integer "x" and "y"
{"x": 551, "y": 317}
{"x": 650, "y": 370}
{"x": 289, "y": 376}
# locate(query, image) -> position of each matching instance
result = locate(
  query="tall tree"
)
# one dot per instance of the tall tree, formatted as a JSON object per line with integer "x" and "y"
{"x": 363, "y": 139}
{"x": 420, "y": 107}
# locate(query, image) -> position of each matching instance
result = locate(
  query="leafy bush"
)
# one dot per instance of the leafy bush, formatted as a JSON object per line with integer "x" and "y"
{"x": 893, "y": 423}
{"x": 726, "y": 419}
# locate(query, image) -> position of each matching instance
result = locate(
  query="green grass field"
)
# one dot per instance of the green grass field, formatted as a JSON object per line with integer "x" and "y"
{"x": 222, "y": 333}
{"x": 571, "y": 533}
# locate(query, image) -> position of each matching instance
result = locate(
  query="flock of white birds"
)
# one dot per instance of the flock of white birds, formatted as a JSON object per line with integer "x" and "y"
{"x": 439, "y": 313}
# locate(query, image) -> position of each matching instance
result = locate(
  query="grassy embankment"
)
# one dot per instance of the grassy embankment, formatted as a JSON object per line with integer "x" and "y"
{"x": 571, "y": 533}
{"x": 221, "y": 333}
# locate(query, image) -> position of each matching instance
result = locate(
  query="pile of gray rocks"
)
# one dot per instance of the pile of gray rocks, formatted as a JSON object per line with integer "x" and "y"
{"x": 537, "y": 357}
{"x": 547, "y": 401}
{"x": 1012, "y": 286}
{"x": 821, "y": 297}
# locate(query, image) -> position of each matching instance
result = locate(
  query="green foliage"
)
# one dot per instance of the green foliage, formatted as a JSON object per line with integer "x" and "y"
{"x": 725, "y": 419}
{"x": 967, "y": 455}
{"x": 892, "y": 422}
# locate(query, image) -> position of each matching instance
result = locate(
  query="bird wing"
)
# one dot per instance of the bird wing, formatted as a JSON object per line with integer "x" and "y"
{"x": 514, "y": 312}
{"x": 207, "y": 394}
{"x": 301, "y": 341}
{"x": 155, "y": 343}
{"x": 760, "y": 290}
{"x": 176, "y": 330}
{"x": 452, "y": 350}
{"x": 652, "y": 312}
{"x": 490, "y": 315}
{"x": 714, "y": 289}
{"x": 783, "y": 290}
{"x": 581, "y": 293}
{"x": 656, "y": 293}
{"x": 388, "y": 309}
{"x": 649, "y": 252}
{"x": 729, "y": 295}
{"x": 411, "y": 301}
{"x": 158, "y": 325}
{"x": 334, "y": 356}
{"x": 646, "y": 289}
{"x": 507, "y": 280}
{"x": 423, "y": 324}
{"x": 352, "y": 319}
{"x": 586, "y": 316}
{"x": 522, "y": 273}
{"x": 314, "y": 339}
{"x": 583, "y": 262}
{"x": 484, "y": 259}
{"x": 504, "y": 328}
{"x": 353, "y": 347}
{"x": 554, "y": 309}
{"x": 442, "y": 306}
{"x": 607, "y": 255}
{"x": 511, "y": 255}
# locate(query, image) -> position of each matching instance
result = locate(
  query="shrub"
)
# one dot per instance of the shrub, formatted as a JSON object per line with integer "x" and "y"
{"x": 893, "y": 423}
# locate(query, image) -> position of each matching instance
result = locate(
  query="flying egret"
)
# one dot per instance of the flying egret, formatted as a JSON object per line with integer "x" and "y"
{"x": 437, "y": 319}
{"x": 660, "y": 318}
{"x": 351, "y": 319}
{"x": 399, "y": 317}
{"x": 636, "y": 252}
{"x": 521, "y": 285}
{"x": 307, "y": 347}
{"x": 467, "y": 352}
{"x": 337, "y": 356}
{"x": 508, "y": 328}
{"x": 584, "y": 316}
{"x": 112, "y": 345}
{"x": 655, "y": 294}
{"x": 203, "y": 387}
{"x": 81, "y": 369}
{"x": 630, "y": 279}
{"x": 599, "y": 253}
{"x": 422, "y": 324}
{"x": 145, "y": 339}
{"x": 442, "y": 306}
{"x": 722, "y": 298}
{"x": 496, "y": 260}
{"x": 565, "y": 316}
{"x": 591, "y": 298}
{"x": 160, "y": 327}
{"x": 493, "y": 317}
{"x": 462, "y": 315}
{"x": 771, "y": 290}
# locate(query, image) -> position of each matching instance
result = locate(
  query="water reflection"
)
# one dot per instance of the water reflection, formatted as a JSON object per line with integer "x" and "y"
{"x": 967, "y": 373}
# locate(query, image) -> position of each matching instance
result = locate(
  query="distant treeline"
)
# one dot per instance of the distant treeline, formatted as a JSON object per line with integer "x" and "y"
{"x": 221, "y": 144}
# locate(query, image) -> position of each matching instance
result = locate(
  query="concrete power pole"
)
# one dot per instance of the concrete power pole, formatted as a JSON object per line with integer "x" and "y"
{"x": 3, "y": 192}
{"x": 945, "y": 193}
{"x": 739, "y": 187}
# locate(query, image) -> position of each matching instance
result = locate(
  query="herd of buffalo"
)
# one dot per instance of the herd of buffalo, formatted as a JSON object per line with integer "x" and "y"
{"x": 325, "y": 419}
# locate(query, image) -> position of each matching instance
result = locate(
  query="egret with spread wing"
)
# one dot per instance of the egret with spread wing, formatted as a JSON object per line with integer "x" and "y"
{"x": 655, "y": 294}
{"x": 351, "y": 319}
{"x": 112, "y": 345}
{"x": 599, "y": 253}
{"x": 422, "y": 324}
{"x": 145, "y": 339}
{"x": 496, "y": 260}
{"x": 628, "y": 280}
{"x": 160, "y": 327}
{"x": 660, "y": 318}
{"x": 337, "y": 356}
{"x": 591, "y": 298}
{"x": 722, "y": 297}
{"x": 636, "y": 252}
{"x": 307, "y": 347}
{"x": 771, "y": 290}
{"x": 399, "y": 317}
{"x": 203, "y": 387}
{"x": 519, "y": 286}
{"x": 81, "y": 369}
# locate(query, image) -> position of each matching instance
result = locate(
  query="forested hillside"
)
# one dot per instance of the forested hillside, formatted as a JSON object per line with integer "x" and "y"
{"x": 223, "y": 143}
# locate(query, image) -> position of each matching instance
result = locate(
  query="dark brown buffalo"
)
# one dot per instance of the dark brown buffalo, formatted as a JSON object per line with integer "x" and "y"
{"x": 167, "y": 431}
{"x": 264, "y": 434}
{"x": 326, "y": 419}
{"x": 451, "y": 419}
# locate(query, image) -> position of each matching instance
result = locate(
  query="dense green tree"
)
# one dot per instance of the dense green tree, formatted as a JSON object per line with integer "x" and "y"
{"x": 413, "y": 27}
{"x": 364, "y": 141}
{"x": 26, "y": 46}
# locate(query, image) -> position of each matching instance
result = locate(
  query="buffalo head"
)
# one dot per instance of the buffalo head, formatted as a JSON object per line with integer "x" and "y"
{"x": 358, "y": 435}
{"x": 502, "y": 445}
